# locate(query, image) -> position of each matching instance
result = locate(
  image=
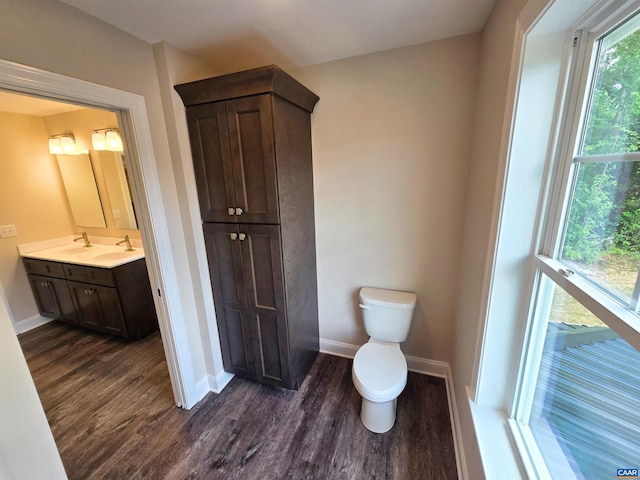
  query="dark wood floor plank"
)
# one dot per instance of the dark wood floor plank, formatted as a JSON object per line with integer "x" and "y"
{"x": 110, "y": 407}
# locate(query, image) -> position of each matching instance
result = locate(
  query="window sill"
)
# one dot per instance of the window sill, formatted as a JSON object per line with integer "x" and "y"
{"x": 499, "y": 454}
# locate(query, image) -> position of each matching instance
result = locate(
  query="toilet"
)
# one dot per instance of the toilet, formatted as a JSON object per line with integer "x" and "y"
{"x": 379, "y": 368}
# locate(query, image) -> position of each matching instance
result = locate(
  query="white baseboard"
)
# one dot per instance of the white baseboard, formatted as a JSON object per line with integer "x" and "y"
{"x": 415, "y": 364}
{"x": 423, "y": 366}
{"x": 458, "y": 446}
{"x": 199, "y": 391}
{"x": 218, "y": 382}
{"x": 338, "y": 349}
{"x": 30, "y": 323}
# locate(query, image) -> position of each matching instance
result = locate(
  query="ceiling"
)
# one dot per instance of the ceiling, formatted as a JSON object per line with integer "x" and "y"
{"x": 236, "y": 34}
{"x": 27, "y": 105}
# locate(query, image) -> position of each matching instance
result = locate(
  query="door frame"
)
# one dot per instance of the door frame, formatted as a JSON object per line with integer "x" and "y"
{"x": 146, "y": 190}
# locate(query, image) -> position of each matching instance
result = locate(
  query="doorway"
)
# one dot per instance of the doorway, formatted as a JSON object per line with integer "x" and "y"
{"x": 146, "y": 190}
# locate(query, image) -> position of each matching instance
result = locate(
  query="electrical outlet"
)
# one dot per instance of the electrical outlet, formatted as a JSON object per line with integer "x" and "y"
{"x": 8, "y": 231}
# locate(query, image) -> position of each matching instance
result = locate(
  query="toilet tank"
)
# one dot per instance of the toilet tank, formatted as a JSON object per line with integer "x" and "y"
{"x": 387, "y": 313}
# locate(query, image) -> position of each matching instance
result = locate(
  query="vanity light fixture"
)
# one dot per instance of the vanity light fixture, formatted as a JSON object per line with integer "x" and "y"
{"x": 62, "y": 143}
{"x": 106, "y": 139}
{"x": 98, "y": 140}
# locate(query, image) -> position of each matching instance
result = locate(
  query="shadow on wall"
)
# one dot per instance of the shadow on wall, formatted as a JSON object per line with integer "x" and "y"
{"x": 418, "y": 323}
{"x": 357, "y": 312}
{"x": 244, "y": 52}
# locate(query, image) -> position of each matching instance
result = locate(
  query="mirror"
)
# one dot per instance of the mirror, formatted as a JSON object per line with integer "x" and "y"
{"x": 116, "y": 180}
{"x": 82, "y": 191}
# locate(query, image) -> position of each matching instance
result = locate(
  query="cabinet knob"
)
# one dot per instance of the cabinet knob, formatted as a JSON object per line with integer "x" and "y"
{"x": 239, "y": 211}
{"x": 234, "y": 236}
{"x": 231, "y": 211}
{"x": 242, "y": 236}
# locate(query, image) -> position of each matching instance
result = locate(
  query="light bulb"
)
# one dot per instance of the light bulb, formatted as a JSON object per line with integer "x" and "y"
{"x": 54, "y": 146}
{"x": 114, "y": 142}
{"x": 98, "y": 141}
{"x": 68, "y": 144}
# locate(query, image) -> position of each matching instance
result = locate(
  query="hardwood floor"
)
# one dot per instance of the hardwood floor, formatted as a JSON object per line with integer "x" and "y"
{"x": 111, "y": 410}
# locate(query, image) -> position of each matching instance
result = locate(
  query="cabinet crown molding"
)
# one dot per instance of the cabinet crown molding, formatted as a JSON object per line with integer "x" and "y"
{"x": 269, "y": 79}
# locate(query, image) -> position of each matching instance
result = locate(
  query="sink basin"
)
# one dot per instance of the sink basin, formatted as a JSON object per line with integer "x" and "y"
{"x": 75, "y": 251}
{"x": 112, "y": 256}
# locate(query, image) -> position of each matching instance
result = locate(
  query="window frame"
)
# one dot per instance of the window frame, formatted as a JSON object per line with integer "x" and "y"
{"x": 571, "y": 114}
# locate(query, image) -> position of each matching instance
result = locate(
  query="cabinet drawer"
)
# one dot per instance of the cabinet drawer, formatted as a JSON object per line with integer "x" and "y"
{"x": 43, "y": 267}
{"x": 81, "y": 273}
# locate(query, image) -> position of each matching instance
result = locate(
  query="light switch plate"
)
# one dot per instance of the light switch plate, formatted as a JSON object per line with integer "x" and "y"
{"x": 8, "y": 231}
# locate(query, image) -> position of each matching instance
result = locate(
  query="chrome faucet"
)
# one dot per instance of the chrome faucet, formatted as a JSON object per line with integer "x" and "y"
{"x": 128, "y": 242}
{"x": 85, "y": 238}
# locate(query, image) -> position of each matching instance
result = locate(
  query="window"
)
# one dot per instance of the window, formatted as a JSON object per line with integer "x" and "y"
{"x": 578, "y": 405}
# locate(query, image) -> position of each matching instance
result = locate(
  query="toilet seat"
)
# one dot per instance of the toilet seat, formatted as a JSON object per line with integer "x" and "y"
{"x": 379, "y": 371}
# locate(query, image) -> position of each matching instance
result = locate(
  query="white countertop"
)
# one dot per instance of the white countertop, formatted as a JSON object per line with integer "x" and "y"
{"x": 103, "y": 256}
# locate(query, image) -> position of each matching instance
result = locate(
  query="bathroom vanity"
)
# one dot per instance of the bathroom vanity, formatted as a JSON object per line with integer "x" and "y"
{"x": 101, "y": 288}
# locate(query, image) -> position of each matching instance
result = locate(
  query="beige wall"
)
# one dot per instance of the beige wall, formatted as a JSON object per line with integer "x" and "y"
{"x": 391, "y": 152}
{"x": 485, "y": 182}
{"x": 391, "y": 140}
{"x": 82, "y": 123}
{"x": 32, "y": 198}
{"x": 32, "y": 194}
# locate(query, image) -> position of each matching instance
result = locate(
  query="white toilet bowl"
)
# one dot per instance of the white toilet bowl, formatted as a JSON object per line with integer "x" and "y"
{"x": 379, "y": 367}
{"x": 379, "y": 374}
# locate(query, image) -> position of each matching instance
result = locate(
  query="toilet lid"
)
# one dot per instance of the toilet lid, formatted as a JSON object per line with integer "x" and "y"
{"x": 380, "y": 369}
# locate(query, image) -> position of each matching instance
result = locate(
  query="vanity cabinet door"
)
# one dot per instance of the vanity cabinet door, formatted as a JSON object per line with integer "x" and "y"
{"x": 53, "y": 298}
{"x": 232, "y": 143}
{"x": 227, "y": 282}
{"x": 247, "y": 279}
{"x": 251, "y": 141}
{"x": 212, "y": 162}
{"x": 262, "y": 265}
{"x": 98, "y": 308}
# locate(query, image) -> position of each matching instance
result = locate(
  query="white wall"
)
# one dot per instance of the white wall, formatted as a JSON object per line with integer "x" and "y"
{"x": 483, "y": 195}
{"x": 175, "y": 67}
{"x": 27, "y": 448}
{"x": 391, "y": 154}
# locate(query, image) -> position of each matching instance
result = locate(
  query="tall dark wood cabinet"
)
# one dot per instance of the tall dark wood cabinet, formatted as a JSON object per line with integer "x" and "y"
{"x": 250, "y": 136}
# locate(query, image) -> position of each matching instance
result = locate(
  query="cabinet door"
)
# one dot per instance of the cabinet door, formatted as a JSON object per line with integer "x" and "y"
{"x": 262, "y": 264}
{"x": 227, "y": 281}
{"x": 212, "y": 162}
{"x": 250, "y": 124}
{"x": 98, "y": 308}
{"x": 53, "y": 298}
